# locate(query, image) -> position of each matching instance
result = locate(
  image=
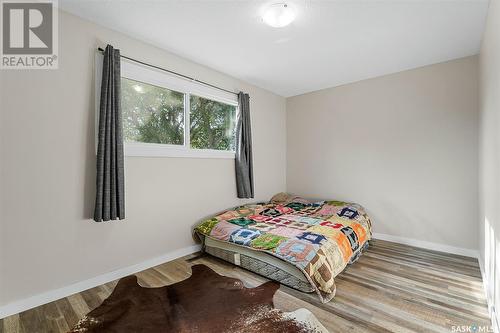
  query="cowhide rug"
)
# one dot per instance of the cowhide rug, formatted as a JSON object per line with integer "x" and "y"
{"x": 204, "y": 302}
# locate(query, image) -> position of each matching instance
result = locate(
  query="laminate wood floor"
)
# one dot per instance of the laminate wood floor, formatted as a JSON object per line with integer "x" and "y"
{"x": 392, "y": 288}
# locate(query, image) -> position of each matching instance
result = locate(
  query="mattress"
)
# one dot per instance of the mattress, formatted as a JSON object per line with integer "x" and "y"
{"x": 259, "y": 262}
{"x": 292, "y": 237}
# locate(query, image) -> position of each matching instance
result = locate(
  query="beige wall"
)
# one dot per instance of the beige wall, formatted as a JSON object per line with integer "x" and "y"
{"x": 490, "y": 155}
{"x": 47, "y": 176}
{"x": 404, "y": 146}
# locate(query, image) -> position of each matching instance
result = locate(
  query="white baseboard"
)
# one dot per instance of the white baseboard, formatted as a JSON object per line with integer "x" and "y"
{"x": 495, "y": 323}
{"x": 428, "y": 245}
{"x": 52, "y": 295}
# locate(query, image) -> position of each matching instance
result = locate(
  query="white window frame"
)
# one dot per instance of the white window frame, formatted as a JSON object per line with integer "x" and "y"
{"x": 149, "y": 75}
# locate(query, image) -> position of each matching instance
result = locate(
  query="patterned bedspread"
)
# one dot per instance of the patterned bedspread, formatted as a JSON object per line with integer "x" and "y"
{"x": 319, "y": 238}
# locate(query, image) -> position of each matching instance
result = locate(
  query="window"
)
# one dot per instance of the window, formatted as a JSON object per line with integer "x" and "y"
{"x": 212, "y": 124}
{"x": 165, "y": 115}
{"x": 152, "y": 114}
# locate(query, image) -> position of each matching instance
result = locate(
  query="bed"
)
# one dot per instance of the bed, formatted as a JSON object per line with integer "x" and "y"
{"x": 300, "y": 243}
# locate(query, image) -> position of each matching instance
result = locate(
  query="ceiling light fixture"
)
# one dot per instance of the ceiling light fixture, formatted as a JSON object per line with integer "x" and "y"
{"x": 278, "y": 15}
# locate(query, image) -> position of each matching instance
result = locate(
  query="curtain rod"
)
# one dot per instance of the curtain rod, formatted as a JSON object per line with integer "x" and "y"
{"x": 172, "y": 72}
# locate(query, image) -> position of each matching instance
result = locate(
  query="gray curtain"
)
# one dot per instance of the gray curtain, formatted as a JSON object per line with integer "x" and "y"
{"x": 110, "y": 194}
{"x": 243, "y": 161}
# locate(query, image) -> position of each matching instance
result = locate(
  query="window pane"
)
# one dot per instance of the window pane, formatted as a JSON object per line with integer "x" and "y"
{"x": 152, "y": 114}
{"x": 212, "y": 124}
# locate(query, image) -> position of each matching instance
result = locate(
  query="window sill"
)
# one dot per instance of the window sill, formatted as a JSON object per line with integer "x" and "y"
{"x": 159, "y": 150}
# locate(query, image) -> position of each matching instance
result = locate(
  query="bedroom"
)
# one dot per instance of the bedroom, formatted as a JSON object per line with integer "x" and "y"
{"x": 373, "y": 132}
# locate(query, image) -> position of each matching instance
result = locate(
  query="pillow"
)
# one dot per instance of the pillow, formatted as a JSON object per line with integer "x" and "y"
{"x": 285, "y": 198}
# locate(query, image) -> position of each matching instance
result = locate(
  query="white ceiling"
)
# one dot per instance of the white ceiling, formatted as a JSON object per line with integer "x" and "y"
{"x": 329, "y": 44}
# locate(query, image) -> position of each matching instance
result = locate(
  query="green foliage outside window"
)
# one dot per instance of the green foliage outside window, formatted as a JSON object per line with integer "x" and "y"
{"x": 154, "y": 114}
{"x": 212, "y": 124}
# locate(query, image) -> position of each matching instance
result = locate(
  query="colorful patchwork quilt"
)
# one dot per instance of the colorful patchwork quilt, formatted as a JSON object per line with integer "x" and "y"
{"x": 320, "y": 238}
